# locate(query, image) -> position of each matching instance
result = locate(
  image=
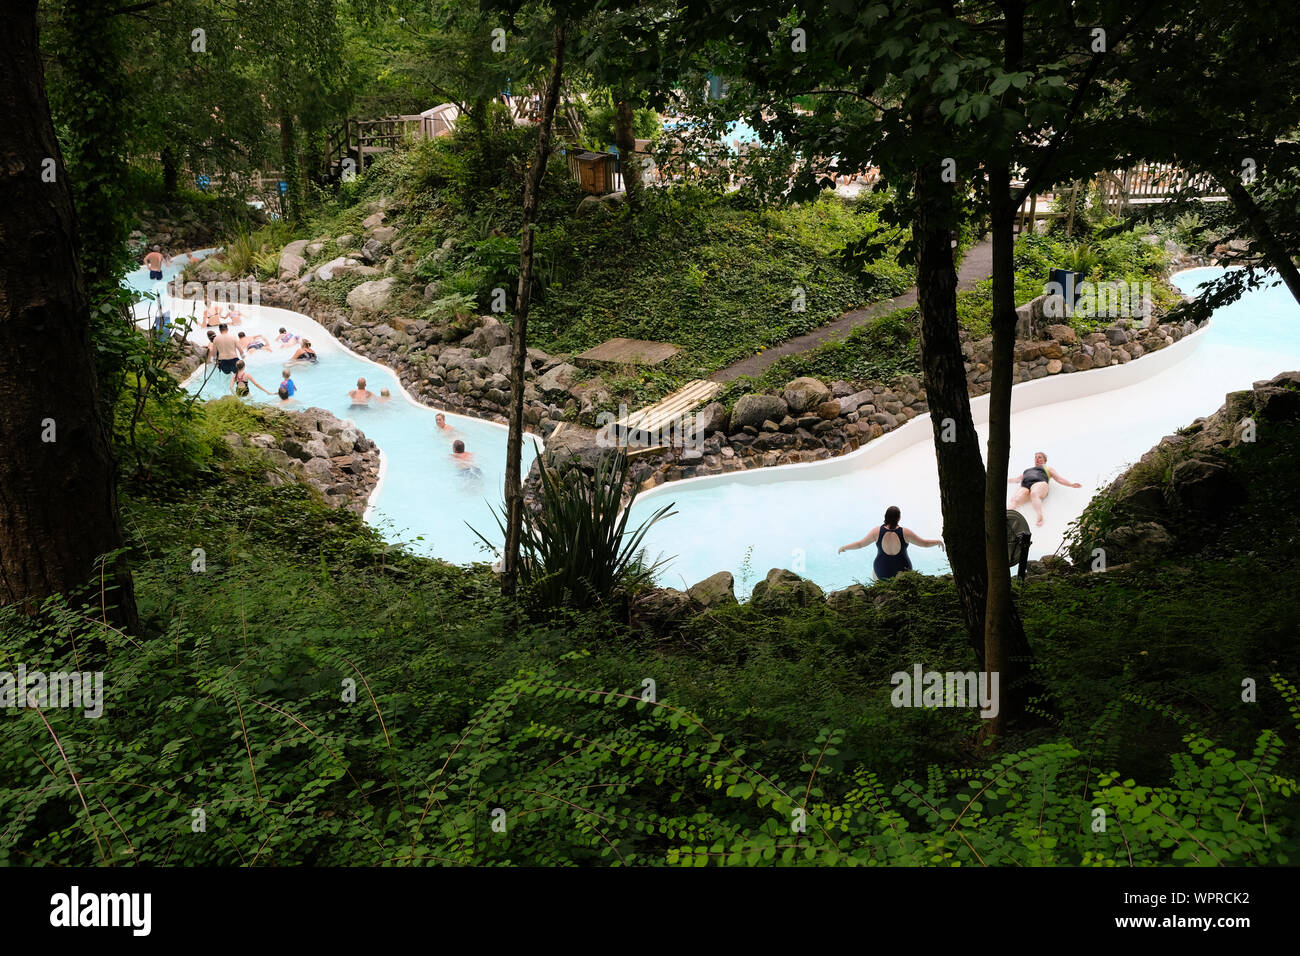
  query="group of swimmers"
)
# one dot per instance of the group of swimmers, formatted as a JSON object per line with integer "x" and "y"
{"x": 229, "y": 353}
{"x": 891, "y": 539}
{"x": 363, "y": 396}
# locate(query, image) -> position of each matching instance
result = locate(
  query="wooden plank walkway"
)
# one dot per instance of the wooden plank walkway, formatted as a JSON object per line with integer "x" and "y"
{"x": 654, "y": 419}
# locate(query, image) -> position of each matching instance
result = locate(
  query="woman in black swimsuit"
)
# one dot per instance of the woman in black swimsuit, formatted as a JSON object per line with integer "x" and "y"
{"x": 1035, "y": 483}
{"x": 891, "y": 545}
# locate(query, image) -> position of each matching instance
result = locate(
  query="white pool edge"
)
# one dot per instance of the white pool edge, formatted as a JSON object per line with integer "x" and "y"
{"x": 1026, "y": 395}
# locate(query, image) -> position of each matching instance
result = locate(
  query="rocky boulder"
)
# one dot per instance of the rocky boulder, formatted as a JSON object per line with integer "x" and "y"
{"x": 559, "y": 379}
{"x": 713, "y": 591}
{"x": 1143, "y": 541}
{"x": 372, "y": 296}
{"x": 782, "y": 588}
{"x": 753, "y": 410}
{"x": 1204, "y": 486}
{"x": 711, "y": 418}
{"x": 847, "y": 597}
{"x": 805, "y": 393}
{"x": 487, "y": 336}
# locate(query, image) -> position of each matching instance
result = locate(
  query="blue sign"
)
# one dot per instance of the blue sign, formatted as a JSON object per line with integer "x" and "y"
{"x": 284, "y": 187}
{"x": 203, "y": 182}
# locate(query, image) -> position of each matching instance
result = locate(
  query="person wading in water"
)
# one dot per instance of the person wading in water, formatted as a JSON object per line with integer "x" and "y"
{"x": 891, "y": 545}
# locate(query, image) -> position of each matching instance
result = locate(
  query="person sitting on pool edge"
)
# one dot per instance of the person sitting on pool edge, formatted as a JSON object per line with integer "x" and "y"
{"x": 1035, "y": 484}
{"x": 891, "y": 545}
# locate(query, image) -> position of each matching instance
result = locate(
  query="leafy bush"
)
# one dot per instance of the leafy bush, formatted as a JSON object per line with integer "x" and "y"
{"x": 576, "y": 550}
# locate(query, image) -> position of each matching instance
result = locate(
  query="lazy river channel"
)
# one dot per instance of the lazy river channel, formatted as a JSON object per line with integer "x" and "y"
{"x": 1092, "y": 425}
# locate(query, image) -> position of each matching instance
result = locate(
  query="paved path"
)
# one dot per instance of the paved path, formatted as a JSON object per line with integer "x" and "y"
{"x": 977, "y": 265}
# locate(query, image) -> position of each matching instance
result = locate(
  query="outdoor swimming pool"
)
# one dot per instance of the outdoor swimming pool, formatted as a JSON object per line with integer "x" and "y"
{"x": 423, "y": 498}
{"x": 1092, "y": 425}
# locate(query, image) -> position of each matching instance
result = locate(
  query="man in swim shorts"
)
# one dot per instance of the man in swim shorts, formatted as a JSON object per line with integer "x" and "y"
{"x": 228, "y": 349}
{"x": 1035, "y": 484}
{"x": 155, "y": 261}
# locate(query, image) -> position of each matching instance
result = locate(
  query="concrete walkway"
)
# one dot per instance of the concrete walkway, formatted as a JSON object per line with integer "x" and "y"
{"x": 977, "y": 265}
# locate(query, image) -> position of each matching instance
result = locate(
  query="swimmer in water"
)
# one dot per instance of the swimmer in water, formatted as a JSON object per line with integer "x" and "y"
{"x": 464, "y": 461}
{"x": 252, "y": 343}
{"x": 1035, "y": 483}
{"x": 440, "y": 422}
{"x": 385, "y": 395}
{"x": 285, "y": 338}
{"x": 305, "y": 353}
{"x": 361, "y": 395}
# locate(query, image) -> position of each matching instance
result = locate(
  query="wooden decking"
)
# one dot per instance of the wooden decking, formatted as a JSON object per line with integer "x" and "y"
{"x": 641, "y": 432}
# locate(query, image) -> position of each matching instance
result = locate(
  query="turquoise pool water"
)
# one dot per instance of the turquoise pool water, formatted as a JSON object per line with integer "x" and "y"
{"x": 423, "y": 497}
{"x": 1092, "y": 425}
{"x": 140, "y": 282}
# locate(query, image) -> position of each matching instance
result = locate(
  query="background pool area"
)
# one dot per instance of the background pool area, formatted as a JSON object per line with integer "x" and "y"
{"x": 1092, "y": 425}
{"x": 423, "y": 497}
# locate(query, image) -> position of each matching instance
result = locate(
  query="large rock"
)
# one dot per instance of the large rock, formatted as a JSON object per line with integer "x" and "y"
{"x": 291, "y": 265}
{"x": 851, "y": 403}
{"x": 847, "y": 597}
{"x": 805, "y": 393}
{"x": 295, "y": 248}
{"x": 372, "y": 221}
{"x": 384, "y": 234}
{"x": 371, "y": 250}
{"x": 1145, "y": 501}
{"x": 782, "y": 588}
{"x": 1204, "y": 486}
{"x": 559, "y": 379}
{"x": 372, "y": 296}
{"x": 1062, "y": 334}
{"x": 715, "y": 590}
{"x": 498, "y": 359}
{"x": 659, "y": 610}
{"x": 755, "y": 409}
{"x": 711, "y": 418}
{"x": 1144, "y": 541}
{"x": 487, "y": 336}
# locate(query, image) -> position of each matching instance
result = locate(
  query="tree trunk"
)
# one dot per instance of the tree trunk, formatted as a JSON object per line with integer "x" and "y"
{"x": 58, "y": 493}
{"x": 519, "y": 329}
{"x": 1006, "y": 649}
{"x": 292, "y": 196}
{"x": 1273, "y": 249}
{"x": 1005, "y": 646}
{"x": 961, "y": 472}
{"x": 625, "y": 140}
{"x": 170, "y": 171}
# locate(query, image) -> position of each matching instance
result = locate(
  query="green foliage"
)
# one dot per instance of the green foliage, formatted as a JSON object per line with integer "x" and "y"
{"x": 576, "y": 550}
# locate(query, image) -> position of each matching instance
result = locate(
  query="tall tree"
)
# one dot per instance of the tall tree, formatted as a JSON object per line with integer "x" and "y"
{"x": 58, "y": 497}
{"x": 519, "y": 327}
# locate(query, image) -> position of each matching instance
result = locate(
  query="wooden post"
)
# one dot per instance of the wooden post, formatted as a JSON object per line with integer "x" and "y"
{"x": 1069, "y": 222}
